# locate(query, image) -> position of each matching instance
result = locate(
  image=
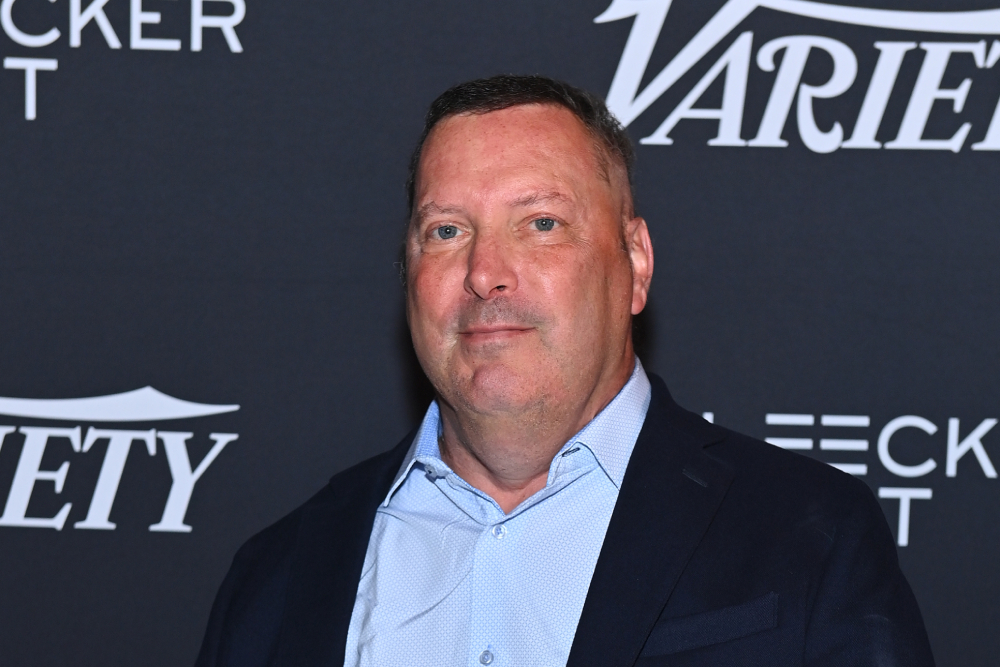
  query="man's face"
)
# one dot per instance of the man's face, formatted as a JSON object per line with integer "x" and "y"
{"x": 520, "y": 286}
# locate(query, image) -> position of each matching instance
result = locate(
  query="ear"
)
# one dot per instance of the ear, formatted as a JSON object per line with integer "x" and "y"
{"x": 640, "y": 250}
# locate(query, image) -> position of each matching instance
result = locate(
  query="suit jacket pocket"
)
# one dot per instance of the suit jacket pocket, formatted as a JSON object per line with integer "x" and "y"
{"x": 674, "y": 635}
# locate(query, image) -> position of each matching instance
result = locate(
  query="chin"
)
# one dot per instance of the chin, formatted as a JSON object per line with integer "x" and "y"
{"x": 499, "y": 388}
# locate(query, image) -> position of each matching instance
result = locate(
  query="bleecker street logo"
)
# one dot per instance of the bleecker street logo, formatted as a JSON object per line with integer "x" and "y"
{"x": 93, "y": 15}
{"x": 845, "y": 442}
{"x": 628, "y": 103}
{"x": 141, "y": 405}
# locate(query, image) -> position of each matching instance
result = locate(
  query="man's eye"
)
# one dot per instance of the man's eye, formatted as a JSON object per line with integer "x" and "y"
{"x": 446, "y": 232}
{"x": 544, "y": 224}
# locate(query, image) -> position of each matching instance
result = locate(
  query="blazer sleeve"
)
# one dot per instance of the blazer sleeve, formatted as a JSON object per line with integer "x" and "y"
{"x": 245, "y": 620}
{"x": 864, "y": 612}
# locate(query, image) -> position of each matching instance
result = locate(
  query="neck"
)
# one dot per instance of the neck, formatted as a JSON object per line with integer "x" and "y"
{"x": 508, "y": 456}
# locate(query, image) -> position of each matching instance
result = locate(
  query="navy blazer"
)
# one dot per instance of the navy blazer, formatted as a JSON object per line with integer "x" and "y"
{"x": 722, "y": 550}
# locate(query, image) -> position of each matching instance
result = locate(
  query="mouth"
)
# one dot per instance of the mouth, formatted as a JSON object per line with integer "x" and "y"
{"x": 493, "y": 332}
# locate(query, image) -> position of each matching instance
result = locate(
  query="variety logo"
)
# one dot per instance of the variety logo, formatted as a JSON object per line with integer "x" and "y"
{"x": 628, "y": 103}
{"x": 141, "y": 405}
{"x": 844, "y": 443}
{"x": 95, "y": 17}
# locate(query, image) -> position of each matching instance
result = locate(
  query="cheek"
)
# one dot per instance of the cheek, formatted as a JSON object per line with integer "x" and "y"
{"x": 593, "y": 293}
{"x": 433, "y": 294}
{"x": 569, "y": 286}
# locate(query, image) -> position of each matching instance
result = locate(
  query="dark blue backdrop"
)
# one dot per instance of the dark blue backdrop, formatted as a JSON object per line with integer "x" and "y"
{"x": 223, "y": 226}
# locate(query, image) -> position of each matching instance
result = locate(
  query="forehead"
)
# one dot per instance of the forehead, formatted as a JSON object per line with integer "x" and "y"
{"x": 521, "y": 143}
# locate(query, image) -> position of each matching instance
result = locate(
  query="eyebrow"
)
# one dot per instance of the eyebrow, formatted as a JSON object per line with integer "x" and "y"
{"x": 433, "y": 208}
{"x": 535, "y": 198}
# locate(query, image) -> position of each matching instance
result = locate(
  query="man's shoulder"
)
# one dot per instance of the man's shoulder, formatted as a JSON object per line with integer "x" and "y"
{"x": 331, "y": 525}
{"x": 348, "y": 490}
{"x": 767, "y": 480}
{"x": 775, "y": 494}
{"x": 761, "y": 472}
{"x": 761, "y": 465}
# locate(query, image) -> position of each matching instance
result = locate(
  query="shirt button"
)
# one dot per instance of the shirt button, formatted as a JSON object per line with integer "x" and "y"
{"x": 499, "y": 532}
{"x": 486, "y": 657}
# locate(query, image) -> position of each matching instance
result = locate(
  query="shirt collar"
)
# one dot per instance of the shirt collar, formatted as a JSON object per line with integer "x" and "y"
{"x": 610, "y": 436}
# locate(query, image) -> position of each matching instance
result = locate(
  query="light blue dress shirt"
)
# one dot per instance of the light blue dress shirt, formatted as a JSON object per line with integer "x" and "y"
{"x": 449, "y": 579}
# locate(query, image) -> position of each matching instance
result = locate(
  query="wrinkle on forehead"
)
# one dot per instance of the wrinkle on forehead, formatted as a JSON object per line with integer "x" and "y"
{"x": 506, "y": 129}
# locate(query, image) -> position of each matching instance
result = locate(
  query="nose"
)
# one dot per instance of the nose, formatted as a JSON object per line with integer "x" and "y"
{"x": 491, "y": 272}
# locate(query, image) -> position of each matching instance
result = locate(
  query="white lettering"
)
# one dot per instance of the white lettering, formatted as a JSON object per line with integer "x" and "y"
{"x": 31, "y": 67}
{"x": 904, "y": 495}
{"x": 890, "y": 59}
{"x": 991, "y": 142}
{"x": 4, "y": 432}
{"x": 94, "y": 12}
{"x": 627, "y": 103}
{"x": 175, "y": 445}
{"x": 893, "y": 466}
{"x": 788, "y": 81}
{"x": 928, "y": 89}
{"x": 973, "y": 441}
{"x": 649, "y": 17}
{"x": 140, "y": 18}
{"x": 845, "y": 69}
{"x": 141, "y": 405}
{"x": 119, "y": 444}
{"x": 21, "y": 37}
{"x": 225, "y": 23}
{"x": 28, "y": 472}
{"x": 736, "y": 62}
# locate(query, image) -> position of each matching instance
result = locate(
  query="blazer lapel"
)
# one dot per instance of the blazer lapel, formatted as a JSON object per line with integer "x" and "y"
{"x": 329, "y": 555}
{"x": 670, "y": 493}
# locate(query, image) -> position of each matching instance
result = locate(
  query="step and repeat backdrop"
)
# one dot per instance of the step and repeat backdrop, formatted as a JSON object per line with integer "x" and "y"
{"x": 201, "y": 209}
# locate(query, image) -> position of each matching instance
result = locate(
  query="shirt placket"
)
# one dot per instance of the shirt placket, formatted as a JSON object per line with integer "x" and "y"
{"x": 488, "y": 582}
{"x": 491, "y": 599}
{"x": 486, "y": 577}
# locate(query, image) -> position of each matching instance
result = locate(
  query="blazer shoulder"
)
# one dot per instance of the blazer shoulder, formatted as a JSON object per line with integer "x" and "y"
{"x": 763, "y": 474}
{"x": 762, "y": 464}
{"x": 247, "y": 614}
{"x": 274, "y": 544}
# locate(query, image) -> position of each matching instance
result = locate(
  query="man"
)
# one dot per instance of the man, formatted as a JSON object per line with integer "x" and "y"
{"x": 556, "y": 506}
